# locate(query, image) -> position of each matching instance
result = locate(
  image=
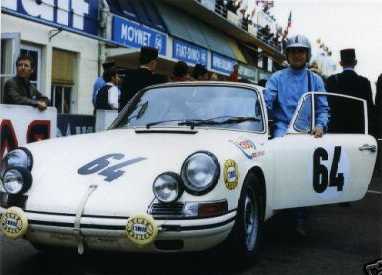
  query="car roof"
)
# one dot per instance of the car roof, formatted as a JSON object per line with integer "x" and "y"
{"x": 208, "y": 83}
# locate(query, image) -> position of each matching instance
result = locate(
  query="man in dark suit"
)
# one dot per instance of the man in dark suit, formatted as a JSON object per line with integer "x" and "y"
{"x": 378, "y": 105}
{"x": 345, "y": 118}
{"x": 142, "y": 77}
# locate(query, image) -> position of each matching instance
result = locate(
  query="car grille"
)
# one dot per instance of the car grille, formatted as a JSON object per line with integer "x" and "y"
{"x": 161, "y": 210}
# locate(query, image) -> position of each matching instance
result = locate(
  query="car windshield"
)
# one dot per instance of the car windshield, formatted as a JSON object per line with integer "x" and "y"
{"x": 207, "y": 106}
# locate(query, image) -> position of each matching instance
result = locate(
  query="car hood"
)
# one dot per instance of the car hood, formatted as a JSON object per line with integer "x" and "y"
{"x": 65, "y": 168}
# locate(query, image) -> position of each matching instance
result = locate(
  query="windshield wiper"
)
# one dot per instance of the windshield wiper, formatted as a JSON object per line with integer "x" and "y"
{"x": 141, "y": 111}
{"x": 148, "y": 125}
{"x": 213, "y": 121}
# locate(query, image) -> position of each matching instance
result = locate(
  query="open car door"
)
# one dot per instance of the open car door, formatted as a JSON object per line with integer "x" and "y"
{"x": 334, "y": 168}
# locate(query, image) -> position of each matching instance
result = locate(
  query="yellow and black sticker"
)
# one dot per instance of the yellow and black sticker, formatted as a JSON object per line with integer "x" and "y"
{"x": 231, "y": 174}
{"x": 14, "y": 223}
{"x": 141, "y": 229}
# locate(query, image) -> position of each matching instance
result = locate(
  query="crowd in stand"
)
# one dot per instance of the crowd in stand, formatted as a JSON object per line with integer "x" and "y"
{"x": 247, "y": 18}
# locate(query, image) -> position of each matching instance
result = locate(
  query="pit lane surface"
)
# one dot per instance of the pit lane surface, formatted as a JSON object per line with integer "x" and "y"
{"x": 342, "y": 240}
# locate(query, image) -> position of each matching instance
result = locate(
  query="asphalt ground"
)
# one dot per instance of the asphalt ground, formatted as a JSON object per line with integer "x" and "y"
{"x": 341, "y": 241}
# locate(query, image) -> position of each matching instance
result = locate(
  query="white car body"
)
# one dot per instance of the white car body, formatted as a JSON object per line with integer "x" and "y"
{"x": 65, "y": 208}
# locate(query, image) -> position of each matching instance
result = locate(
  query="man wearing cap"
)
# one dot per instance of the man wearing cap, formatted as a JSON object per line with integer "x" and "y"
{"x": 350, "y": 83}
{"x": 142, "y": 77}
{"x": 282, "y": 93}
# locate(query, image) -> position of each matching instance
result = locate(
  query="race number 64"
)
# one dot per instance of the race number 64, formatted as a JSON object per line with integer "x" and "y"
{"x": 322, "y": 179}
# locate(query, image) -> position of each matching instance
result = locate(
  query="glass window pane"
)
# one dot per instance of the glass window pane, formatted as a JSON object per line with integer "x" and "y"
{"x": 303, "y": 121}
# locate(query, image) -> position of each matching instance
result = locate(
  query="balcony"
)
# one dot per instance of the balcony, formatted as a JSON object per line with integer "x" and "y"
{"x": 226, "y": 22}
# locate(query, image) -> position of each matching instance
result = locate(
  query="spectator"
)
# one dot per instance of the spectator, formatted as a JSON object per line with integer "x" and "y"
{"x": 100, "y": 82}
{"x": 350, "y": 83}
{"x": 107, "y": 97}
{"x": 144, "y": 76}
{"x": 262, "y": 82}
{"x": 180, "y": 72}
{"x": 19, "y": 90}
{"x": 234, "y": 76}
{"x": 200, "y": 72}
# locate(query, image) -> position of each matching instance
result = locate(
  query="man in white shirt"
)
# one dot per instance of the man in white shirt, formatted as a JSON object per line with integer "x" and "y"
{"x": 108, "y": 96}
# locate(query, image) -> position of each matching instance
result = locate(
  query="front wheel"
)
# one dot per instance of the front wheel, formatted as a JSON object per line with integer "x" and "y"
{"x": 244, "y": 239}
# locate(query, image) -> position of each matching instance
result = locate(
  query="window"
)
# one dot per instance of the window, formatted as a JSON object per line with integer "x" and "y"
{"x": 62, "y": 98}
{"x": 63, "y": 66}
{"x": 10, "y": 48}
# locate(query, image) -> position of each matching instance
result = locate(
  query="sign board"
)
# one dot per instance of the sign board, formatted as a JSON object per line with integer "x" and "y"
{"x": 68, "y": 125}
{"x": 79, "y": 15}
{"x": 188, "y": 52}
{"x": 135, "y": 35}
{"x": 222, "y": 64}
{"x": 24, "y": 124}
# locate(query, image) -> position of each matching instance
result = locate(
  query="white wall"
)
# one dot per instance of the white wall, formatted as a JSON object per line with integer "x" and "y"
{"x": 86, "y": 49}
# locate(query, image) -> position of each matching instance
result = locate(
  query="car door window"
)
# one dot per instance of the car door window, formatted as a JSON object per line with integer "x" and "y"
{"x": 303, "y": 122}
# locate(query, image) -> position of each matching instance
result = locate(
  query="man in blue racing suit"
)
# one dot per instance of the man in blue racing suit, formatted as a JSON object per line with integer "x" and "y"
{"x": 282, "y": 93}
{"x": 285, "y": 87}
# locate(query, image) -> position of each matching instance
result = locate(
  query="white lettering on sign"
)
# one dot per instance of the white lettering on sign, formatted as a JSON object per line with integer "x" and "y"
{"x": 9, "y": 4}
{"x": 135, "y": 35}
{"x": 44, "y": 10}
{"x": 186, "y": 52}
{"x": 80, "y": 8}
{"x": 222, "y": 63}
{"x": 63, "y": 12}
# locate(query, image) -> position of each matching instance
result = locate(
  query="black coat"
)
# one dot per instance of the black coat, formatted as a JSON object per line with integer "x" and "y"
{"x": 378, "y": 105}
{"x": 344, "y": 118}
{"x": 136, "y": 80}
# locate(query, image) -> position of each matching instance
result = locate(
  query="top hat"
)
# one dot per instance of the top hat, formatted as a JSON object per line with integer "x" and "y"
{"x": 148, "y": 54}
{"x": 347, "y": 55}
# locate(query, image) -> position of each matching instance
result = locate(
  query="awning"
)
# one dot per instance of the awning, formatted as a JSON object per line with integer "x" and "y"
{"x": 183, "y": 26}
{"x": 143, "y": 12}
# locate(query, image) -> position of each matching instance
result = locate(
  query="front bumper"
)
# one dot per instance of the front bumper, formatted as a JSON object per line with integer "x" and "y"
{"x": 109, "y": 233}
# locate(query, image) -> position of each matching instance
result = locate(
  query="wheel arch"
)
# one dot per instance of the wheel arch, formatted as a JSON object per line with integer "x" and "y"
{"x": 255, "y": 177}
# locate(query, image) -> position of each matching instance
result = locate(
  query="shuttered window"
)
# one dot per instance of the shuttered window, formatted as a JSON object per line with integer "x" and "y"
{"x": 63, "y": 63}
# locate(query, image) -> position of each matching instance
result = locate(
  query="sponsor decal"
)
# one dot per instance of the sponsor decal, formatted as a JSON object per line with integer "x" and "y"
{"x": 374, "y": 268}
{"x": 14, "y": 223}
{"x": 141, "y": 230}
{"x": 231, "y": 174}
{"x": 248, "y": 148}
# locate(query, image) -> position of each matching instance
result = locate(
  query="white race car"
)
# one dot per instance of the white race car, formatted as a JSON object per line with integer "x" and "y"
{"x": 184, "y": 167}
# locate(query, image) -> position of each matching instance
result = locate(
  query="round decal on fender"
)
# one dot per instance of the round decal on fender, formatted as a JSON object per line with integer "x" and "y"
{"x": 231, "y": 174}
{"x": 141, "y": 229}
{"x": 14, "y": 223}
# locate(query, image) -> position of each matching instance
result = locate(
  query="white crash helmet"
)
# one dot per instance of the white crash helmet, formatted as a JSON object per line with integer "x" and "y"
{"x": 299, "y": 41}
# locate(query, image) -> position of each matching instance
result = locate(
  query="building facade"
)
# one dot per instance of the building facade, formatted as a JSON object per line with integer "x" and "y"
{"x": 69, "y": 40}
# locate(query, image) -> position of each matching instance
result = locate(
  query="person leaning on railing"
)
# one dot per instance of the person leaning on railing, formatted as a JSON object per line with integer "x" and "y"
{"x": 19, "y": 90}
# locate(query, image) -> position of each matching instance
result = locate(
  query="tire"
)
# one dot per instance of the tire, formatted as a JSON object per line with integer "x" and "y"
{"x": 244, "y": 239}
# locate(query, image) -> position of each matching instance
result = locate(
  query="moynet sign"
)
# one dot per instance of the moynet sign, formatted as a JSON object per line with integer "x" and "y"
{"x": 135, "y": 35}
{"x": 77, "y": 15}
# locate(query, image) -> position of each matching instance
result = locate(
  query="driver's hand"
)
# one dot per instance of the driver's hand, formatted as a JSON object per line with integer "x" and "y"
{"x": 318, "y": 132}
{"x": 41, "y": 105}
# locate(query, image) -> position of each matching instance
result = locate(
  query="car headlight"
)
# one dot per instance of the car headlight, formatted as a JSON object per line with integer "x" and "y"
{"x": 167, "y": 187}
{"x": 20, "y": 157}
{"x": 200, "y": 172}
{"x": 16, "y": 180}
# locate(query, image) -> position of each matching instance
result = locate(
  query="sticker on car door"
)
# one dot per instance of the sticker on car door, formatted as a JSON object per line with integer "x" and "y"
{"x": 330, "y": 171}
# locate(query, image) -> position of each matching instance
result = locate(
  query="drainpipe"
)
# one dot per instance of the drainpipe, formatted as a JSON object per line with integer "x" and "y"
{"x": 103, "y": 12}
